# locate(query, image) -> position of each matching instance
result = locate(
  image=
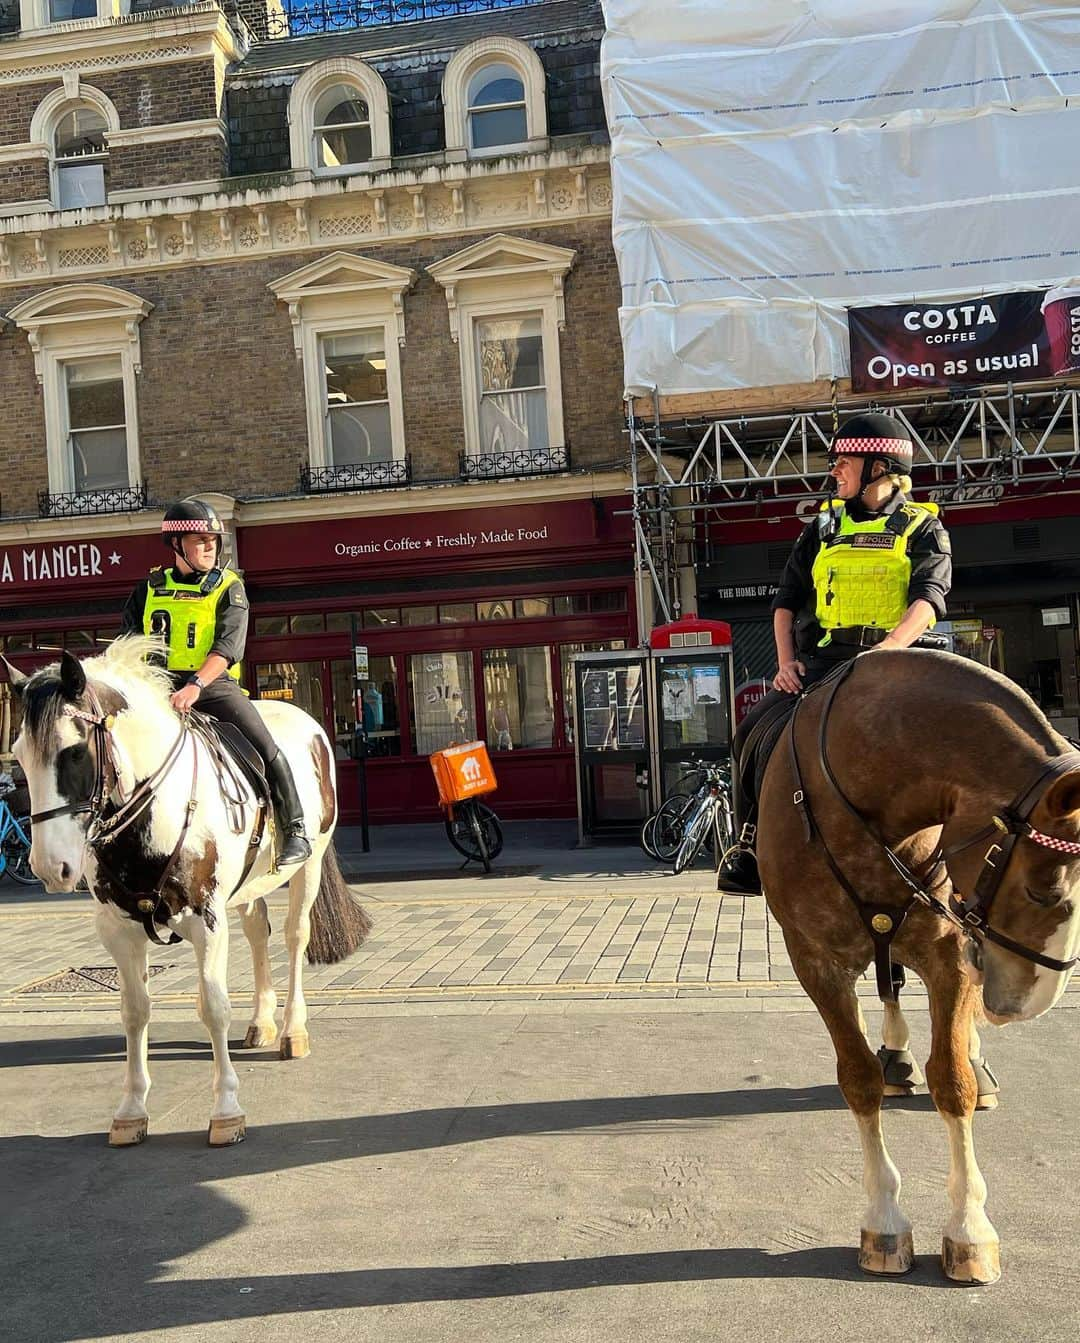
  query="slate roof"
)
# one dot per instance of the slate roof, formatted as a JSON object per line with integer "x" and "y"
{"x": 552, "y": 19}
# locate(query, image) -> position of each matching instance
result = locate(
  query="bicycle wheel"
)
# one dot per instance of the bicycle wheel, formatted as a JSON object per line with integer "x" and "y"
{"x": 464, "y": 837}
{"x": 697, "y": 828}
{"x": 669, "y": 826}
{"x": 17, "y": 863}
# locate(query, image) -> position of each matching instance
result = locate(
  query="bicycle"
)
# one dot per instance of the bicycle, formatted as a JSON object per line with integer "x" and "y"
{"x": 676, "y": 832}
{"x": 15, "y": 846}
{"x": 711, "y": 815}
{"x": 463, "y": 774}
{"x": 474, "y": 830}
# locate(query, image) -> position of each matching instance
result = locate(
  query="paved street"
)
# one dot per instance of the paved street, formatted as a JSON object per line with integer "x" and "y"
{"x": 582, "y": 1101}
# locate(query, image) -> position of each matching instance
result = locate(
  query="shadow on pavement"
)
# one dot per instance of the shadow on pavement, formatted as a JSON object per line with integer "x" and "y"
{"x": 93, "y": 1049}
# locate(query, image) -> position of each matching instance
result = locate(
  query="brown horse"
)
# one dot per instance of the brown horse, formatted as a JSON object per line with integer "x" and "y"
{"x": 923, "y": 808}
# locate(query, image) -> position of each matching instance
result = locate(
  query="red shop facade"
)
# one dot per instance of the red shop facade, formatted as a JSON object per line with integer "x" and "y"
{"x": 469, "y": 618}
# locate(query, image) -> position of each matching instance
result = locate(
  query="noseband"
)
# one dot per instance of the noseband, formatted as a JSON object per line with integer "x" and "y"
{"x": 972, "y": 913}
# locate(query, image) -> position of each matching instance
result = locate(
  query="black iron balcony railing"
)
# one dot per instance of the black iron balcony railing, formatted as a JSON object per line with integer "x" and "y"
{"x": 116, "y": 499}
{"x": 329, "y": 16}
{"x": 357, "y": 476}
{"x": 521, "y": 462}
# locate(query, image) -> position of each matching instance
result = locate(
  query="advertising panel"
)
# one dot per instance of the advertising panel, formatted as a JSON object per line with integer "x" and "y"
{"x": 996, "y": 338}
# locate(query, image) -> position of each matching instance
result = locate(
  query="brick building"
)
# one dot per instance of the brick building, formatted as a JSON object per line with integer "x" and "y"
{"x": 357, "y": 285}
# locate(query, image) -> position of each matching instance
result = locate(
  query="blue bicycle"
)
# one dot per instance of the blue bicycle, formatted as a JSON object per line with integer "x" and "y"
{"x": 15, "y": 846}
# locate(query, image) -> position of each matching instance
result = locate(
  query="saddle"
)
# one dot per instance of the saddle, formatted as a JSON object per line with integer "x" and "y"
{"x": 228, "y": 746}
{"x": 758, "y": 747}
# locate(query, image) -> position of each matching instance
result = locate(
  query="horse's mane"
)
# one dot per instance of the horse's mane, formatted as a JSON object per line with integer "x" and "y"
{"x": 124, "y": 667}
{"x": 132, "y": 661}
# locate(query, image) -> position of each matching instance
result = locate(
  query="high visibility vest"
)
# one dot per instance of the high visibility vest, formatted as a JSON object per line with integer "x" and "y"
{"x": 862, "y": 570}
{"x": 186, "y": 614}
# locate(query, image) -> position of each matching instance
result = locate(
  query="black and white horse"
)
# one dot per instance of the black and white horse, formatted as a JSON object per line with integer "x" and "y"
{"x": 168, "y": 837}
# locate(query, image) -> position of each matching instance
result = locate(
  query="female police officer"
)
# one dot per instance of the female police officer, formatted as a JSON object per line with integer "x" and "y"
{"x": 201, "y": 609}
{"x": 873, "y": 570}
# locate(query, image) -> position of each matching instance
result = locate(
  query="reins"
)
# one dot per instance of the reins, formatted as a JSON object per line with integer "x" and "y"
{"x": 104, "y": 829}
{"x": 971, "y": 914}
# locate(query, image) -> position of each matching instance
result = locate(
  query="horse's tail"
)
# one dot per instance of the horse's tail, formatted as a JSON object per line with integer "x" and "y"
{"x": 338, "y": 921}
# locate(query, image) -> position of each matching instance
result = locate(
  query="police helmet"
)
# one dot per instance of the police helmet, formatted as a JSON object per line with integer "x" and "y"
{"x": 874, "y": 437}
{"x": 190, "y": 515}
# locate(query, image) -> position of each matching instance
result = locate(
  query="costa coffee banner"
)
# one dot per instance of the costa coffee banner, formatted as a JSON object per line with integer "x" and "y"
{"x": 55, "y": 567}
{"x": 999, "y": 338}
{"x": 434, "y": 540}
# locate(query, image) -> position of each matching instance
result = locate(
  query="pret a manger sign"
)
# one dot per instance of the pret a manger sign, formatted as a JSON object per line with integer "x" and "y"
{"x": 36, "y": 566}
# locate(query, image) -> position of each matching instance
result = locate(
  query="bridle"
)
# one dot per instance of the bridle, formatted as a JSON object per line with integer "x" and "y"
{"x": 106, "y": 825}
{"x": 971, "y": 913}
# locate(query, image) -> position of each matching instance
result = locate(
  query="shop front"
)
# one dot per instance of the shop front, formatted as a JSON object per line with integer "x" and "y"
{"x": 467, "y": 620}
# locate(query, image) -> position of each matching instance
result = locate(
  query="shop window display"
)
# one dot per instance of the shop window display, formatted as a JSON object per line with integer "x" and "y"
{"x": 518, "y": 699}
{"x": 442, "y": 700}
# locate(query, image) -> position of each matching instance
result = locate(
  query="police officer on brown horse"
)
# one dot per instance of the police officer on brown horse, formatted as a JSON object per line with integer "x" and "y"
{"x": 199, "y": 606}
{"x": 872, "y": 571}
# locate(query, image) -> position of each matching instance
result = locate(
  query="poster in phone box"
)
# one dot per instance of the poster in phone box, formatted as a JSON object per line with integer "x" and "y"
{"x": 997, "y": 338}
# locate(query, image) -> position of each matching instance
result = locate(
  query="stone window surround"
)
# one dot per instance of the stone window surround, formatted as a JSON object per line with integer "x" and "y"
{"x": 49, "y": 112}
{"x": 305, "y": 93}
{"x": 81, "y": 321}
{"x": 527, "y": 280}
{"x": 34, "y": 14}
{"x": 461, "y": 68}
{"x": 320, "y": 305}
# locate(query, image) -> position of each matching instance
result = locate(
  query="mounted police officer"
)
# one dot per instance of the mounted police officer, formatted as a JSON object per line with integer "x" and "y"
{"x": 200, "y": 608}
{"x": 872, "y": 571}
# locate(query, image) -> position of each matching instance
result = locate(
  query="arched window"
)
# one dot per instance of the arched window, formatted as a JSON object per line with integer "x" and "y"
{"x": 497, "y": 113}
{"x": 342, "y": 128}
{"x": 74, "y": 123}
{"x": 80, "y": 157}
{"x": 493, "y": 95}
{"x": 339, "y": 118}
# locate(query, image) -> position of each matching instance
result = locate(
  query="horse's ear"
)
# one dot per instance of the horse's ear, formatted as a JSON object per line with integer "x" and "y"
{"x": 1063, "y": 796}
{"x": 72, "y": 676}
{"x": 16, "y": 679}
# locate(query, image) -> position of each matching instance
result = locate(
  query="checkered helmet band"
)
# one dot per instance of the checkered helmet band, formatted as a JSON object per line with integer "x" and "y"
{"x": 873, "y": 447}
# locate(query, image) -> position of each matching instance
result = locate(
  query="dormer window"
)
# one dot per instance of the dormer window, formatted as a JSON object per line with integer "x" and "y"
{"x": 342, "y": 128}
{"x": 497, "y": 113}
{"x": 493, "y": 96}
{"x": 79, "y": 159}
{"x": 339, "y": 119}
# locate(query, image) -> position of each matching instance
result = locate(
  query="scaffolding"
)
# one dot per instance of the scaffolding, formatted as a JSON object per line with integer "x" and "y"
{"x": 971, "y": 445}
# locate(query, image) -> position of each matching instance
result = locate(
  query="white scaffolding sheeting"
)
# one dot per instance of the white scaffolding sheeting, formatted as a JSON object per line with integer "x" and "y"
{"x": 777, "y": 161}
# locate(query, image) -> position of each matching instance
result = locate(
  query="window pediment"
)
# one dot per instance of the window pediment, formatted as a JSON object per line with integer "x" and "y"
{"x": 94, "y": 310}
{"x": 481, "y": 270}
{"x": 342, "y": 284}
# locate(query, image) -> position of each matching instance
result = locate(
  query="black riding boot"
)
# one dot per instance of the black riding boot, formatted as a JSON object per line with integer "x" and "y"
{"x": 295, "y": 847}
{"x": 738, "y": 873}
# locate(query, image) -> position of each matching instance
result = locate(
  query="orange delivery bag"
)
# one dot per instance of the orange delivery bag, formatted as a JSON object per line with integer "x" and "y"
{"x": 462, "y": 772}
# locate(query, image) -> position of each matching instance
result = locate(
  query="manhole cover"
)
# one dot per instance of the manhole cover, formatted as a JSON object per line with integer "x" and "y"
{"x": 85, "y": 979}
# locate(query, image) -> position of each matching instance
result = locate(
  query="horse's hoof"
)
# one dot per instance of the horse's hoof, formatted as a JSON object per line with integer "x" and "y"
{"x": 987, "y": 1102}
{"x": 295, "y": 1046}
{"x": 977, "y": 1265}
{"x": 128, "y": 1132}
{"x": 224, "y": 1132}
{"x": 259, "y": 1037}
{"x": 890, "y": 1090}
{"x": 879, "y": 1253}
